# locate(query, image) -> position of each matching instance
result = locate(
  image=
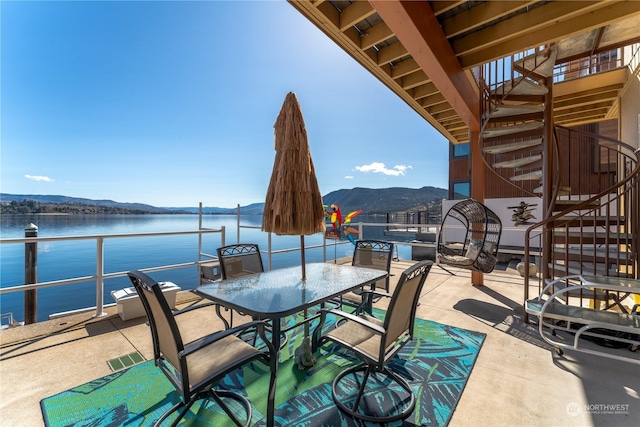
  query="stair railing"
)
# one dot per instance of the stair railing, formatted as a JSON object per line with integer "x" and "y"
{"x": 494, "y": 75}
{"x": 598, "y": 235}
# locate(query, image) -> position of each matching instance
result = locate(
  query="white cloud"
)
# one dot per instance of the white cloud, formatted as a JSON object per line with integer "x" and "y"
{"x": 39, "y": 178}
{"x": 377, "y": 167}
{"x": 348, "y": 177}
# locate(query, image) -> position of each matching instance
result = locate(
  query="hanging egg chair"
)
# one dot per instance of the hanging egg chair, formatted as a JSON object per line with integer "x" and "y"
{"x": 469, "y": 237}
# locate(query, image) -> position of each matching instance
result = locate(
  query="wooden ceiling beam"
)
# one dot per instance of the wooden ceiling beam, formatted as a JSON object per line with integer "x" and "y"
{"x": 429, "y": 101}
{"x": 600, "y": 106}
{"x": 582, "y": 116}
{"x": 356, "y": 12}
{"x": 417, "y": 28}
{"x": 404, "y": 67}
{"x": 448, "y": 115}
{"x": 439, "y": 108}
{"x": 375, "y": 35}
{"x": 550, "y": 14}
{"x": 594, "y": 91}
{"x": 608, "y": 12}
{"x": 326, "y": 18}
{"x": 585, "y": 100}
{"x": 440, "y": 7}
{"x": 353, "y": 35}
{"x": 457, "y": 127}
{"x": 425, "y": 90}
{"x": 329, "y": 13}
{"x": 416, "y": 79}
{"x": 391, "y": 53}
{"x": 480, "y": 15}
{"x": 461, "y": 136}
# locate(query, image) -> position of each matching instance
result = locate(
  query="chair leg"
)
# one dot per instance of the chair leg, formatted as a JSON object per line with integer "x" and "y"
{"x": 217, "y": 395}
{"x": 183, "y": 411}
{"x": 354, "y": 410}
{"x": 169, "y": 412}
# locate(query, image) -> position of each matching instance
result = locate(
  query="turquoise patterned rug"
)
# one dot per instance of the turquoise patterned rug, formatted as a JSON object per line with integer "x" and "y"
{"x": 437, "y": 363}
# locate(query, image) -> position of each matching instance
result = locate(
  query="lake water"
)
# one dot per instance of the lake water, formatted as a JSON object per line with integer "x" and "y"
{"x": 68, "y": 259}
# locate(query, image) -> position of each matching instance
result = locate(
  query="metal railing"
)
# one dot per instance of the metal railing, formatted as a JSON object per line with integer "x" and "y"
{"x": 100, "y": 275}
{"x": 599, "y": 235}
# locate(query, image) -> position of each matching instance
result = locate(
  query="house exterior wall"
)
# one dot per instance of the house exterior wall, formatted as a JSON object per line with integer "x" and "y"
{"x": 630, "y": 113}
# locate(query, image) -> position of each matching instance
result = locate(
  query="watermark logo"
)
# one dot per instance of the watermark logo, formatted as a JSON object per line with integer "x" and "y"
{"x": 574, "y": 409}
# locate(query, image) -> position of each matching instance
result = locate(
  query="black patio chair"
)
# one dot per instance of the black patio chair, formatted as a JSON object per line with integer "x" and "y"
{"x": 376, "y": 342}
{"x": 238, "y": 260}
{"x": 235, "y": 261}
{"x": 194, "y": 368}
{"x": 375, "y": 254}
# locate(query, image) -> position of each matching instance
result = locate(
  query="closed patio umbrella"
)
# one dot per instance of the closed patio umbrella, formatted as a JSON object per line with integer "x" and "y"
{"x": 293, "y": 205}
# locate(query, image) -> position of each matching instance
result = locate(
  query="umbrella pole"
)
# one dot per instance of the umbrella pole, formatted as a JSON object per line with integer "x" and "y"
{"x": 304, "y": 271}
{"x": 304, "y": 277}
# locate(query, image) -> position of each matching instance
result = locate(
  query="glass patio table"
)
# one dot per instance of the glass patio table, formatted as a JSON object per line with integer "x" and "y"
{"x": 275, "y": 294}
{"x": 622, "y": 285}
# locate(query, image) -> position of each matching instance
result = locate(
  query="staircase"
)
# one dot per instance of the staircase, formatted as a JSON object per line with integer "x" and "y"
{"x": 589, "y": 184}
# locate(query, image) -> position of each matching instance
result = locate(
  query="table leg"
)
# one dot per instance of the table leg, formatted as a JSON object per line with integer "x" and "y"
{"x": 275, "y": 339}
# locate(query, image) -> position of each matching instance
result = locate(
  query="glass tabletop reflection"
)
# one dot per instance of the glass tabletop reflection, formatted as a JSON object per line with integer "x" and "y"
{"x": 281, "y": 292}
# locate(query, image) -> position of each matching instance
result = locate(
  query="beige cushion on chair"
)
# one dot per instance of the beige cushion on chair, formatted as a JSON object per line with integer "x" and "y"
{"x": 474, "y": 249}
{"x": 352, "y": 334}
{"x": 455, "y": 259}
{"x": 217, "y": 357}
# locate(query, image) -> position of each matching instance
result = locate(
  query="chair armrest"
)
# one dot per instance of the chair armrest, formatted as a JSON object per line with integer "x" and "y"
{"x": 378, "y": 293}
{"x": 376, "y": 328}
{"x": 194, "y": 307}
{"x": 196, "y": 345}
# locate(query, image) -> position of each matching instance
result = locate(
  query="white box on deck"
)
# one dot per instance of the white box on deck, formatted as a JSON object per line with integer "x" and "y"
{"x": 130, "y": 306}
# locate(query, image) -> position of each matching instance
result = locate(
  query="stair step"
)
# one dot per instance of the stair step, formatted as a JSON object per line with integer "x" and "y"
{"x": 515, "y": 110}
{"x": 520, "y": 86}
{"x": 562, "y": 204}
{"x": 564, "y": 191}
{"x": 588, "y": 221}
{"x": 541, "y": 63}
{"x": 514, "y": 146}
{"x": 493, "y": 132}
{"x": 589, "y": 255}
{"x": 533, "y": 167}
{"x": 589, "y": 238}
{"x": 527, "y": 176}
{"x": 518, "y": 162}
{"x": 560, "y": 270}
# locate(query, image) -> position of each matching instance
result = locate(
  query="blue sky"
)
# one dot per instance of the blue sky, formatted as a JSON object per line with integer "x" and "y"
{"x": 173, "y": 103}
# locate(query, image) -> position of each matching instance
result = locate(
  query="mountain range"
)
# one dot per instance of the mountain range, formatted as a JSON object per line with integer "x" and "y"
{"x": 371, "y": 201}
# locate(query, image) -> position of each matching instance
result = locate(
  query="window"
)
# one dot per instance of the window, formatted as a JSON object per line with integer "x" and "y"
{"x": 461, "y": 150}
{"x": 461, "y": 190}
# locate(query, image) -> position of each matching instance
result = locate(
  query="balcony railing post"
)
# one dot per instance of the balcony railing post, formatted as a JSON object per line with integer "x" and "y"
{"x": 31, "y": 275}
{"x": 99, "y": 277}
{"x": 269, "y": 251}
{"x": 238, "y": 225}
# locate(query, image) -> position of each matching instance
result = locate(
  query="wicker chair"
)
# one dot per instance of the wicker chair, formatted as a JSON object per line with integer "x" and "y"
{"x": 194, "y": 368}
{"x": 376, "y": 342}
{"x": 469, "y": 237}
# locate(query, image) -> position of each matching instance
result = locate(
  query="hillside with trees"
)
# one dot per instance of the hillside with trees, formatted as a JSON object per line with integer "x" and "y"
{"x": 370, "y": 200}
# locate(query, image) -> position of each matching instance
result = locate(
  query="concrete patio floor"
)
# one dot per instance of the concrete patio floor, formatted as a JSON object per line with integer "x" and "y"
{"x": 518, "y": 379}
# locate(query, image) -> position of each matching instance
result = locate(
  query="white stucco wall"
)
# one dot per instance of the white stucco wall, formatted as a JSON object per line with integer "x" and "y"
{"x": 630, "y": 112}
{"x": 512, "y": 235}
